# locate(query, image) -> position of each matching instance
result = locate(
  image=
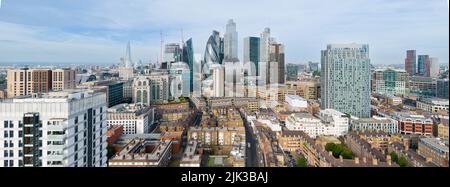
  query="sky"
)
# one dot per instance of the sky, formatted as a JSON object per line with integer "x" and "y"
{"x": 97, "y": 31}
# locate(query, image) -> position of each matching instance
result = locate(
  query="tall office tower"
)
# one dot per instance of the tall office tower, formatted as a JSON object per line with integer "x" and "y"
{"x": 172, "y": 53}
{"x": 218, "y": 77}
{"x": 277, "y": 55}
{"x": 234, "y": 86}
{"x": 410, "y": 62}
{"x": 213, "y": 54}
{"x": 58, "y": 129}
{"x": 434, "y": 67}
{"x": 345, "y": 79}
{"x": 214, "y": 49}
{"x": 63, "y": 79}
{"x": 264, "y": 53}
{"x": 423, "y": 65}
{"x": 188, "y": 57}
{"x": 28, "y": 81}
{"x": 231, "y": 42}
{"x": 128, "y": 63}
{"x": 251, "y": 53}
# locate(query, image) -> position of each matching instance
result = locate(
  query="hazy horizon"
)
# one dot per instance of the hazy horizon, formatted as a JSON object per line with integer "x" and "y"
{"x": 97, "y": 31}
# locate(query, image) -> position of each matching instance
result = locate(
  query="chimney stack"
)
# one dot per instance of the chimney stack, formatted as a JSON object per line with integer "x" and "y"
{"x": 375, "y": 162}
{"x": 356, "y": 160}
{"x": 389, "y": 160}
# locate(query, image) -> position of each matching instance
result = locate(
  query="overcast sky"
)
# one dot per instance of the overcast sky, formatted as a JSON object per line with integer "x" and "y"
{"x": 89, "y": 31}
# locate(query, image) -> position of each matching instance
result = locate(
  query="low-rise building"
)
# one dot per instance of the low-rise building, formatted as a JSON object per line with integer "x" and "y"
{"x": 414, "y": 124}
{"x": 375, "y": 123}
{"x": 296, "y": 103}
{"x": 433, "y": 105}
{"x": 436, "y": 149}
{"x": 114, "y": 132}
{"x": 136, "y": 119}
{"x": 443, "y": 129}
{"x": 142, "y": 153}
{"x": 414, "y": 159}
{"x": 328, "y": 122}
{"x": 192, "y": 155}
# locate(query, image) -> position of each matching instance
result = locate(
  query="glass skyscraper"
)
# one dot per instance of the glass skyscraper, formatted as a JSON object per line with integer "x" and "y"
{"x": 251, "y": 52}
{"x": 424, "y": 65}
{"x": 231, "y": 42}
{"x": 188, "y": 58}
{"x": 345, "y": 79}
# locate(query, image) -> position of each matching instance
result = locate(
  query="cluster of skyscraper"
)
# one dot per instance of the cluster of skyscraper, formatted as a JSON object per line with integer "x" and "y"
{"x": 421, "y": 65}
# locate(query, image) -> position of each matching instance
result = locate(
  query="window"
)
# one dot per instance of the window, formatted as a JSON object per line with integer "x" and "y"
{"x": 11, "y": 124}
{"x": 11, "y": 144}
{"x": 11, "y": 153}
{"x": 20, "y": 134}
{"x": 5, "y": 153}
{"x": 76, "y": 120}
{"x": 6, "y": 144}
{"x": 5, "y": 124}
{"x": 5, "y": 134}
{"x": 5, "y": 163}
{"x": 11, "y": 163}
{"x": 11, "y": 134}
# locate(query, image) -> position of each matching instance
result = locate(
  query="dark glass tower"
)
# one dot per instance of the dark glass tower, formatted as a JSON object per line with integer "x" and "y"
{"x": 188, "y": 58}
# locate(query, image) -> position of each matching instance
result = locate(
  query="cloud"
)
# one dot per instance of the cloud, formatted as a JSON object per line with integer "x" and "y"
{"x": 97, "y": 30}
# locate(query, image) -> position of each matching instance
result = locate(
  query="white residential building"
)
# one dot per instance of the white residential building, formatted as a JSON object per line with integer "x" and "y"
{"x": 58, "y": 129}
{"x": 329, "y": 123}
{"x": 296, "y": 103}
{"x": 337, "y": 122}
{"x": 135, "y": 119}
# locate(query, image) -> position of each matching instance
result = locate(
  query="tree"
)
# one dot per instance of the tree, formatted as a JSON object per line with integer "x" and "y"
{"x": 316, "y": 73}
{"x": 394, "y": 157}
{"x": 302, "y": 162}
{"x": 402, "y": 162}
{"x": 111, "y": 150}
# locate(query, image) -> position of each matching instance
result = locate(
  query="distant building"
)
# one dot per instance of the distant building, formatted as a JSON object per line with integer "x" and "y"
{"x": 292, "y": 71}
{"x": 423, "y": 68}
{"x": 313, "y": 66}
{"x": 422, "y": 86}
{"x": 63, "y": 79}
{"x": 251, "y": 52}
{"x": 22, "y": 82}
{"x": 442, "y": 88}
{"x": 411, "y": 62}
{"x": 389, "y": 82}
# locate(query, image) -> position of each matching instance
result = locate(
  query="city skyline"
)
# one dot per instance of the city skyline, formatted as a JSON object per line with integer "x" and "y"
{"x": 92, "y": 31}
